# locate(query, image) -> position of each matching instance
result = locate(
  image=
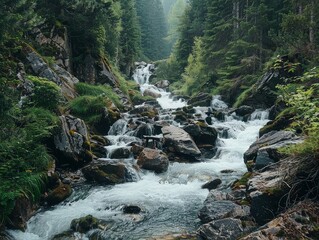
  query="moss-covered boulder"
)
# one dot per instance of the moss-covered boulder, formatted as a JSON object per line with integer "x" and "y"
{"x": 202, "y": 133}
{"x": 103, "y": 172}
{"x": 84, "y": 224}
{"x": 59, "y": 194}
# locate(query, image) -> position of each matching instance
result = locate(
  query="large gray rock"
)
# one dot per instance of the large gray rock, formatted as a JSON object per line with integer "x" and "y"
{"x": 224, "y": 229}
{"x": 53, "y": 73}
{"x": 270, "y": 143}
{"x": 153, "y": 159}
{"x": 202, "y": 134}
{"x": 265, "y": 191}
{"x": 178, "y": 141}
{"x": 214, "y": 210}
{"x": 103, "y": 172}
{"x": 71, "y": 141}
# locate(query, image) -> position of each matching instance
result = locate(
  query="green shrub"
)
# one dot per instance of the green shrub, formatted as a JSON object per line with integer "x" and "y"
{"x": 89, "y": 108}
{"x": 46, "y": 94}
{"x": 85, "y": 89}
{"x": 24, "y": 158}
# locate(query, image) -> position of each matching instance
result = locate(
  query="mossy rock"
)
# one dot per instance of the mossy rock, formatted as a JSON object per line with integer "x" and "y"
{"x": 67, "y": 235}
{"x": 59, "y": 194}
{"x": 84, "y": 224}
{"x": 242, "y": 182}
{"x": 281, "y": 122}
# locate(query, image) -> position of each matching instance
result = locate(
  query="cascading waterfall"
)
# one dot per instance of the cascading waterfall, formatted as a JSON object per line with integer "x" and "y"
{"x": 169, "y": 201}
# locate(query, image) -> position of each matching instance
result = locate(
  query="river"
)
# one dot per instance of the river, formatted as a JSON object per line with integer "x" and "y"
{"x": 169, "y": 201}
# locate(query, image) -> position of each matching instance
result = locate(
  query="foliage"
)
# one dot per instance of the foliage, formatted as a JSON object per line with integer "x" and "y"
{"x": 46, "y": 94}
{"x": 89, "y": 108}
{"x": 23, "y": 155}
{"x": 85, "y": 89}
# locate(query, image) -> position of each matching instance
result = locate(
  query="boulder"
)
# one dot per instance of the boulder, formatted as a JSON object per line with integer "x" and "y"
{"x": 151, "y": 93}
{"x": 59, "y": 194}
{"x": 223, "y": 229}
{"x": 153, "y": 159}
{"x": 103, "y": 172}
{"x": 145, "y": 110}
{"x": 265, "y": 192}
{"x": 98, "y": 144}
{"x": 84, "y": 224}
{"x": 144, "y": 129}
{"x": 202, "y": 134}
{"x": 214, "y": 210}
{"x": 72, "y": 142}
{"x": 244, "y": 110}
{"x": 136, "y": 149}
{"x": 178, "y": 142}
{"x": 120, "y": 153}
{"x": 269, "y": 142}
{"x": 200, "y": 100}
{"x": 212, "y": 184}
{"x": 181, "y": 117}
{"x": 67, "y": 235}
{"x": 131, "y": 209}
{"x": 108, "y": 117}
{"x": 162, "y": 84}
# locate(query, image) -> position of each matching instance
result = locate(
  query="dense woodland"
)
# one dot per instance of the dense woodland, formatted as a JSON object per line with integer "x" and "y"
{"x": 215, "y": 46}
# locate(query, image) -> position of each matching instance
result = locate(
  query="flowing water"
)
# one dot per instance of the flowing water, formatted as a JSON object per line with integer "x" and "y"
{"x": 169, "y": 201}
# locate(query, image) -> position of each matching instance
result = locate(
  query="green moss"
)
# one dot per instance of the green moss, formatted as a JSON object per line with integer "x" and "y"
{"x": 242, "y": 97}
{"x": 242, "y": 181}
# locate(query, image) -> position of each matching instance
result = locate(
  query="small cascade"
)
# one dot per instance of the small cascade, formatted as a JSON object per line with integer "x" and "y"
{"x": 259, "y": 115}
{"x": 118, "y": 128}
{"x": 143, "y": 73}
{"x": 218, "y": 104}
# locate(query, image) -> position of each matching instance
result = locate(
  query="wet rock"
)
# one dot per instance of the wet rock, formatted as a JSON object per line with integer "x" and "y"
{"x": 214, "y": 210}
{"x": 151, "y": 93}
{"x": 136, "y": 150}
{"x": 162, "y": 84}
{"x": 154, "y": 160}
{"x": 130, "y": 209}
{"x": 200, "y": 100}
{"x": 71, "y": 143}
{"x": 202, "y": 134}
{"x": 108, "y": 117}
{"x": 144, "y": 129}
{"x": 106, "y": 172}
{"x": 244, "y": 110}
{"x": 84, "y": 224}
{"x": 176, "y": 237}
{"x": 21, "y": 213}
{"x": 98, "y": 144}
{"x": 59, "y": 194}
{"x": 272, "y": 140}
{"x": 212, "y": 184}
{"x": 224, "y": 229}
{"x": 181, "y": 117}
{"x": 67, "y": 235}
{"x": 120, "y": 153}
{"x": 145, "y": 110}
{"x": 178, "y": 142}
